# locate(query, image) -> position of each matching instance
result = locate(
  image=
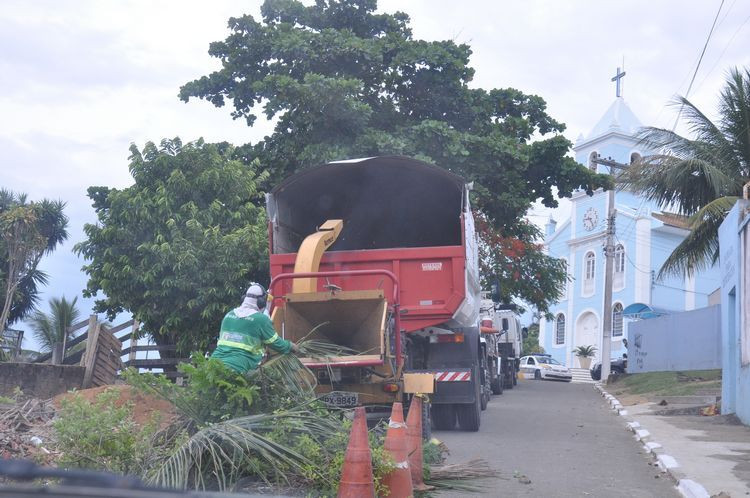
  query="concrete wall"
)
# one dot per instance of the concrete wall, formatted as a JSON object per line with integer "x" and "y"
{"x": 683, "y": 341}
{"x": 39, "y": 379}
{"x": 733, "y": 249}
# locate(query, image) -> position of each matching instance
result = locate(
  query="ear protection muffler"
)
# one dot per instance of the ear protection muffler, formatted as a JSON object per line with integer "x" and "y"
{"x": 261, "y": 299}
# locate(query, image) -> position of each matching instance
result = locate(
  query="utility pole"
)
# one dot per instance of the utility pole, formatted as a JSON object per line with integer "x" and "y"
{"x": 609, "y": 253}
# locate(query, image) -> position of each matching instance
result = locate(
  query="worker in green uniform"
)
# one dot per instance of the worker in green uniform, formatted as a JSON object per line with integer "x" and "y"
{"x": 246, "y": 331}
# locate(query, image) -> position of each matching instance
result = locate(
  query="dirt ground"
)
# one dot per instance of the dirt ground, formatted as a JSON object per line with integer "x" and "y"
{"x": 144, "y": 406}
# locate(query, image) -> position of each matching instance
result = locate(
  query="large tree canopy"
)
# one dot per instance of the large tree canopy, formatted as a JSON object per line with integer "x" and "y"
{"x": 180, "y": 245}
{"x": 342, "y": 81}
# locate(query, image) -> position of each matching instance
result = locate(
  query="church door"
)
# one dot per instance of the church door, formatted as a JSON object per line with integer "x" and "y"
{"x": 586, "y": 333}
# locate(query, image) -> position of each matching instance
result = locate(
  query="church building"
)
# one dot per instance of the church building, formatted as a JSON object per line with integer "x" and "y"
{"x": 645, "y": 235}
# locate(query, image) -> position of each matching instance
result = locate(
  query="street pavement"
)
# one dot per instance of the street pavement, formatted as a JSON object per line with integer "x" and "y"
{"x": 557, "y": 439}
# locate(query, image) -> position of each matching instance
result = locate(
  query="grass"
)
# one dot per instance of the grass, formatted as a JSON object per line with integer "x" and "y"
{"x": 669, "y": 383}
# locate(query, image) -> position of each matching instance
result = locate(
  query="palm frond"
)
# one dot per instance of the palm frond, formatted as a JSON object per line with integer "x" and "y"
{"x": 718, "y": 208}
{"x": 734, "y": 107}
{"x": 288, "y": 374}
{"x": 224, "y": 449}
{"x": 50, "y": 328}
{"x": 699, "y": 176}
{"x": 688, "y": 183}
{"x": 697, "y": 251}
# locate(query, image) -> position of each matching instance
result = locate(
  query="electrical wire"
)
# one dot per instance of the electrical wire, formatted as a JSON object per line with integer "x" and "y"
{"x": 700, "y": 59}
{"x": 724, "y": 51}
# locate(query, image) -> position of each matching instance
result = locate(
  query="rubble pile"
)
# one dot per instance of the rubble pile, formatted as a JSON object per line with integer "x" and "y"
{"x": 26, "y": 430}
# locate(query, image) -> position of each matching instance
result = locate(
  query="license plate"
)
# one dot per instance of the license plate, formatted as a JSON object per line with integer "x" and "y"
{"x": 340, "y": 399}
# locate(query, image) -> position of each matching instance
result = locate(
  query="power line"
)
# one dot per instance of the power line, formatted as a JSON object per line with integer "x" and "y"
{"x": 724, "y": 51}
{"x": 679, "y": 289}
{"x": 700, "y": 59}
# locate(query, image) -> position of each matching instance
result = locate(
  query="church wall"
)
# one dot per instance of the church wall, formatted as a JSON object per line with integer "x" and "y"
{"x": 617, "y": 148}
{"x": 706, "y": 282}
{"x": 558, "y": 248}
{"x": 668, "y": 292}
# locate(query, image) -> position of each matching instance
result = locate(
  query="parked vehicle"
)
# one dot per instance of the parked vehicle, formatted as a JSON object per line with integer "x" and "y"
{"x": 503, "y": 322}
{"x": 380, "y": 255}
{"x": 616, "y": 366}
{"x": 543, "y": 366}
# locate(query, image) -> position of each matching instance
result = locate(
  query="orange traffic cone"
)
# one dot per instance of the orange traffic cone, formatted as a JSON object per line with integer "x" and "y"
{"x": 399, "y": 480}
{"x": 356, "y": 475}
{"x": 414, "y": 443}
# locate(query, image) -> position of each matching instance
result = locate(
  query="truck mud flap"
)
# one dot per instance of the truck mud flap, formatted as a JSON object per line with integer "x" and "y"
{"x": 452, "y": 385}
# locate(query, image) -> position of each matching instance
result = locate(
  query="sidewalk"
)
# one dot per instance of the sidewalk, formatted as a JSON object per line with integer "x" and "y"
{"x": 712, "y": 452}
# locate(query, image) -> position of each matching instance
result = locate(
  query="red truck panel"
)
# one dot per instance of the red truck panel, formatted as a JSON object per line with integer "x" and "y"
{"x": 431, "y": 279}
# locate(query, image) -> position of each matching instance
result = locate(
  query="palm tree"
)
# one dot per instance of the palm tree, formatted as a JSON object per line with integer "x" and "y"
{"x": 700, "y": 177}
{"x": 50, "y": 328}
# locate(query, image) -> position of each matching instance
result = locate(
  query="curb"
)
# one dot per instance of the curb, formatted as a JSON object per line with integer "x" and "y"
{"x": 667, "y": 463}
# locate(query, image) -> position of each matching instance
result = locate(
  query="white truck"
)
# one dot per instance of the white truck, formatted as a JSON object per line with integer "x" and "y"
{"x": 502, "y": 321}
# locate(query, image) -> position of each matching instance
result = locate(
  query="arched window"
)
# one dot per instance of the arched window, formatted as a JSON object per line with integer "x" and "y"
{"x": 589, "y": 272}
{"x": 619, "y": 258}
{"x": 619, "y": 277}
{"x": 560, "y": 329}
{"x": 592, "y": 164}
{"x": 617, "y": 320}
{"x": 635, "y": 157}
{"x": 564, "y": 294}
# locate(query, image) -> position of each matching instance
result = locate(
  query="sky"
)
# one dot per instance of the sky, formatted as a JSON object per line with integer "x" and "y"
{"x": 82, "y": 80}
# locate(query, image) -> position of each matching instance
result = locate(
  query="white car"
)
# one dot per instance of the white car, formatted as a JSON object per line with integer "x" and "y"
{"x": 545, "y": 367}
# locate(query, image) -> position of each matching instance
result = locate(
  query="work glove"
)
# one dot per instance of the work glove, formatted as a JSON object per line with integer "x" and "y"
{"x": 295, "y": 349}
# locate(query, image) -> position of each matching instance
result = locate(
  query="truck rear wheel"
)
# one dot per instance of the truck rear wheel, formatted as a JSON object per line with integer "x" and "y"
{"x": 497, "y": 384}
{"x": 511, "y": 380}
{"x": 509, "y": 376}
{"x": 469, "y": 416}
{"x": 486, "y": 390}
{"x": 443, "y": 417}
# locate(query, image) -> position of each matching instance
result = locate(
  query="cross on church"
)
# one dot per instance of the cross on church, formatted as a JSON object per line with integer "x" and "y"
{"x": 617, "y": 78}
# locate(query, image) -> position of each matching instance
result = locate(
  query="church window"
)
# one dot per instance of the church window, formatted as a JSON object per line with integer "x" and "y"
{"x": 592, "y": 164}
{"x": 617, "y": 320}
{"x": 560, "y": 329}
{"x": 619, "y": 280}
{"x": 589, "y": 272}
{"x": 564, "y": 294}
{"x": 635, "y": 157}
{"x": 619, "y": 258}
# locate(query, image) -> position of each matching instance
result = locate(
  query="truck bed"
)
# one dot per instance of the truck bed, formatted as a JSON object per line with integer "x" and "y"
{"x": 432, "y": 284}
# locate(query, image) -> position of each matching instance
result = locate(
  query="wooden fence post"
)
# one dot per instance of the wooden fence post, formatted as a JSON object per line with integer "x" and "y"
{"x": 133, "y": 341}
{"x": 89, "y": 358}
{"x": 89, "y": 331}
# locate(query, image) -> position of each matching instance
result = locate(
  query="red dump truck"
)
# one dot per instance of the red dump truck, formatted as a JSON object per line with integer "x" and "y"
{"x": 380, "y": 255}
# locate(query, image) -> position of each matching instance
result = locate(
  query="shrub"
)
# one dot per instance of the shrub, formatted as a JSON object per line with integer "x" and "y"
{"x": 585, "y": 351}
{"x": 102, "y": 436}
{"x": 213, "y": 393}
{"x": 326, "y": 458}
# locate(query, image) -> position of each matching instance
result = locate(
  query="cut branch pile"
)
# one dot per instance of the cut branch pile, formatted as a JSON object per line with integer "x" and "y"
{"x": 25, "y": 430}
{"x": 465, "y": 477}
{"x": 21, "y": 416}
{"x": 473, "y": 469}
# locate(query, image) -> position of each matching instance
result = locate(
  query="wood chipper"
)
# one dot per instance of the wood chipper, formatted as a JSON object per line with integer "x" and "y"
{"x": 379, "y": 255}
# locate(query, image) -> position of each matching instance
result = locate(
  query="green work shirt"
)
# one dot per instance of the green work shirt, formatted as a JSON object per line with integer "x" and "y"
{"x": 242, "y": 341}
